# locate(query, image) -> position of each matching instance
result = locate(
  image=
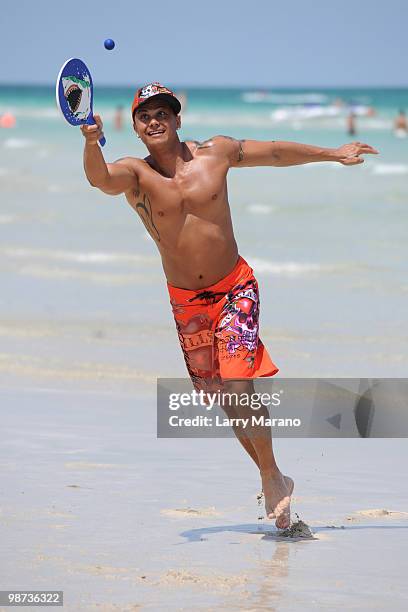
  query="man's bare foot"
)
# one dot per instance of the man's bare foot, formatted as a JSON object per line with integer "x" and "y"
{"x": 277, "y": 490}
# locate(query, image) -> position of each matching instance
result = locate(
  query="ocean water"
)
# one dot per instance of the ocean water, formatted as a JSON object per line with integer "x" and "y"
{"x": 328, "y": 243}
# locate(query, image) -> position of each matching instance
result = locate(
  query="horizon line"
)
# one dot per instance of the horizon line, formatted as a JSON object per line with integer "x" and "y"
{"x": 215, "y": 86}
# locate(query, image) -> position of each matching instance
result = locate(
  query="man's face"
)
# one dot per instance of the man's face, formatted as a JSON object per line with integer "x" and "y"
{"x": 155, "y": 122}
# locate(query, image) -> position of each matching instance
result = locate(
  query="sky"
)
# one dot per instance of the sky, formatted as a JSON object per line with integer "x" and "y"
{"x": 260, "y": 43}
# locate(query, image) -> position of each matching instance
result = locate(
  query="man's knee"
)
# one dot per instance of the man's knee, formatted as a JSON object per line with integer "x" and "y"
{"x": 238, "y": 385}
{"x": 237, "y": 394}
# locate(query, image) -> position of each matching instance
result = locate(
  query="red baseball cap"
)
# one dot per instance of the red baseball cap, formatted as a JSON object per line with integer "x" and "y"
{"x": 146, "y": 92}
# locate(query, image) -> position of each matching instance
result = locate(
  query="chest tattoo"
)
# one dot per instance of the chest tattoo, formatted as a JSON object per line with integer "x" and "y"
{"x": 144, "y": 209}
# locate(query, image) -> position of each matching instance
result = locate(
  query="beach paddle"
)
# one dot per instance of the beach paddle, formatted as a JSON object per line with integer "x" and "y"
{"x": 74, "y": 94}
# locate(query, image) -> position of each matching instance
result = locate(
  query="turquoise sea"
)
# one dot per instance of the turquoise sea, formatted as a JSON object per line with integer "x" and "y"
{"x": 327, "y": 242}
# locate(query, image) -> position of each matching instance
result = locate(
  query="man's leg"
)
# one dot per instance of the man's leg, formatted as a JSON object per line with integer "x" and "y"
{"x": 257, "y": 441}
{"x": 242, "y": 437}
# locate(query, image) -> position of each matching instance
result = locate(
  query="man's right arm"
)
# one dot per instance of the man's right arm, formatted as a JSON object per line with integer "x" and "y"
{"x": 112, "y": 179}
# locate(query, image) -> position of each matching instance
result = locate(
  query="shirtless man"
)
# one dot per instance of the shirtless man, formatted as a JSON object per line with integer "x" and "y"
{"x": 180, "y": 193}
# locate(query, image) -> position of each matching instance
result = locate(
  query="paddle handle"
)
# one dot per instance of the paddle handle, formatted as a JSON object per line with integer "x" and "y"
{"x": 91, "y": 121}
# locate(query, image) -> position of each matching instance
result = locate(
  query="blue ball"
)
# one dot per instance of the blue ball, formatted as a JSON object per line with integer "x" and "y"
{"x": 109, "y": 44}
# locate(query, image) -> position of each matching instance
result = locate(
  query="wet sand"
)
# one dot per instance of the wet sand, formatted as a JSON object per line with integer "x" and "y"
{"x": 94, "y": 504}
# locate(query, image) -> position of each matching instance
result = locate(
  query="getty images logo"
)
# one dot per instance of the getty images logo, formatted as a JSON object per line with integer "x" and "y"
{"x": 208, "y": 400}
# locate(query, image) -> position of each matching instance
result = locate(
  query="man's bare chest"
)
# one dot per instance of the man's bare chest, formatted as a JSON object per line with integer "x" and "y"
{"x": 197, "y": 191}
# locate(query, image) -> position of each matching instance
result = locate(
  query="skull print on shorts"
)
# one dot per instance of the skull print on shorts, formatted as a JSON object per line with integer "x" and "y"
{"x": 240, "y": 317}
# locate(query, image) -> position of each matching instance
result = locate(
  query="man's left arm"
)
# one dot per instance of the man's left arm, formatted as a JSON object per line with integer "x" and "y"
{"x": 250, "y": 153}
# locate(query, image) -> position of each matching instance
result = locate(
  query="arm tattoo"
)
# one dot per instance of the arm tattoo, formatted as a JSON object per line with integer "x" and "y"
{"x": 228, "y": 137}
{"x": 275, "y": 154}
{"x": 241, "y": 151}
{"x": 209, "y": 143}
{"x": 204, "y": 145}
{"x": 144, "y": 210}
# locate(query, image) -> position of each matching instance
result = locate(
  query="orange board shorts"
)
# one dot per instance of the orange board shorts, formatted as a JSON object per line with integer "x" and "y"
{"x": 218, "y": 329}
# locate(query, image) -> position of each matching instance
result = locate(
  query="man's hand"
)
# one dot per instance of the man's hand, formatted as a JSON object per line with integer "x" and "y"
{"x": 349, "y": 154}
{"x": 93, "y": 133}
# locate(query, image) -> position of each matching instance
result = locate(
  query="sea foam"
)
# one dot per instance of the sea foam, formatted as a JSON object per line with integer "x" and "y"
{"x": 284, "y": 268}
{"x": 18, "y": 143}
{"x": 92, "y": 257}
{"x": 261, "y": 209}
{"x": 390, "y": 169}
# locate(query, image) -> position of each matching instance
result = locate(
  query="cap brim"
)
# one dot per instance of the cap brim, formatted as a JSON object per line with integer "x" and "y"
{"x": 171, "y": 100}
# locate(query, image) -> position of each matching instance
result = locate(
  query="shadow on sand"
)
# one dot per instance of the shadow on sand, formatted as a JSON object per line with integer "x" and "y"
{"x": 268, "y": 533}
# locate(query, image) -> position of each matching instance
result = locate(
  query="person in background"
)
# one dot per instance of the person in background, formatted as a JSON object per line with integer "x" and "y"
{"x": 118, "y": 118}
{"x": 351, "y": 124}
{"x": 400, "y": 125}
